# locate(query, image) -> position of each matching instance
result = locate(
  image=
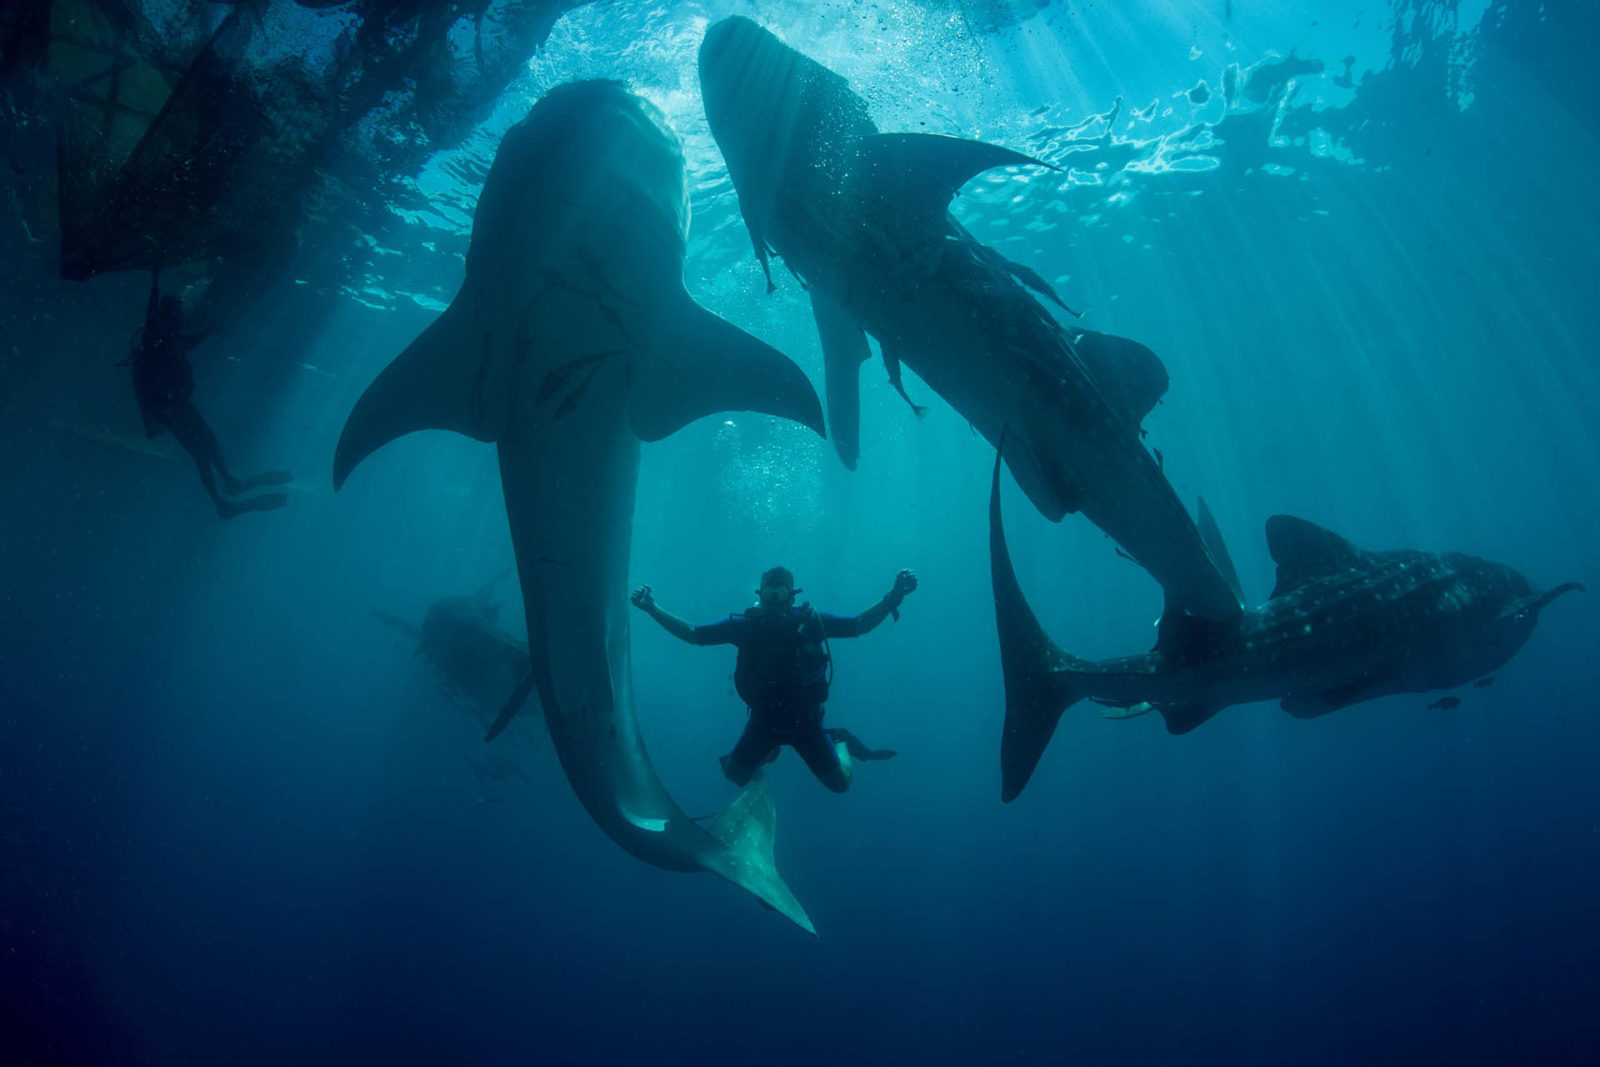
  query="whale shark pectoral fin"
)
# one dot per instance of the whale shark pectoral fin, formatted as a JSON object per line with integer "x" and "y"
{"x": 1039, "y": 679}
{"x": 1311, "y": 705}
{"x": 701, "y": 364}
{"x": 450, "y": 378}
{"x": 920, "y": 172}
{"x": 513, "y": 704}
{"x": 745, "y": 829}
{"x": 844, "y": 349}
{"x": 1181, "y": 718}
{"x": 1042, "y": 484}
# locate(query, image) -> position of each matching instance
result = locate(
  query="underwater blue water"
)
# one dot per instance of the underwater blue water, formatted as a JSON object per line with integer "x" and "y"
{"x": 241, "y": 822}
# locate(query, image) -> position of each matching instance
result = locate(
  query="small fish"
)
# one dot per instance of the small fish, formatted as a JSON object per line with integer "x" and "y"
{"x": 1446, "y": 703}
{"x": 1483, "y": 683}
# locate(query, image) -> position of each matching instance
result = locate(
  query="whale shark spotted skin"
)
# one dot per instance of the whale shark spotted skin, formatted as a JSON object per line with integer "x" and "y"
{"x": 1343, "y": 625}
{"x": 862, "y": 219}
{"x": 571, "y": 341}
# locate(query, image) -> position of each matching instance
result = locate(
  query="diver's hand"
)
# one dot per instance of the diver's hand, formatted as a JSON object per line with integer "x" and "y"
{"x": 642, "y": 598}
{"x": 905, "y": 582}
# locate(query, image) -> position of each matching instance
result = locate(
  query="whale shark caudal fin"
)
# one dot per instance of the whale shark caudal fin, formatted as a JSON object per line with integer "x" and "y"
{"x": 844, "y": 349}
{"x": 918, "y": 173}
{"x": 449, "y": 378}
{"x": 1039, "y": 677}
{"x": 745, "y": 829}
{"x": 702, "y": 364}
{"x": 1217, "y": 548}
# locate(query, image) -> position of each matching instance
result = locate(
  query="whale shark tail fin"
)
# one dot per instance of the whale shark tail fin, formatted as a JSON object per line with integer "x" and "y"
{"x": 448, "y": 379}
{"x": 745, "y": 829}
{"x": 1041, "y": 680}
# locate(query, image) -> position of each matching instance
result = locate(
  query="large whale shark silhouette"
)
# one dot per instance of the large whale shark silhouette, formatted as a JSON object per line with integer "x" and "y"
{"x": 572, "y": 339}
{"x": 1343, "y": 625}
{"x": 479, "y": 665}
{"x": 862, "y": 219}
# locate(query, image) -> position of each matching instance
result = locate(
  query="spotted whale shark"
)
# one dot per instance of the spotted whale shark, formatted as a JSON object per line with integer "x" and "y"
{"x": 1343, "y": 625}
{"x": 571, "y": 341}
{"x": 862, "y": 219}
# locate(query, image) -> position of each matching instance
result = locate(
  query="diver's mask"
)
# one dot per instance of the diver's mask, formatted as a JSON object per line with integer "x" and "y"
{"x": 776, "y": 596}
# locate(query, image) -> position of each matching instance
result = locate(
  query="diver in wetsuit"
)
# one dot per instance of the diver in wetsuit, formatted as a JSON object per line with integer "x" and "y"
{"x": 163, "y": 382}
{"x": 783, "y": 672}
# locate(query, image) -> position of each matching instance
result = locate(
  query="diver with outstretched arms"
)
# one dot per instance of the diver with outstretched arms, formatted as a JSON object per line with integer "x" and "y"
{"x": 163, "y": 383}
{"x": 783, "y": 673}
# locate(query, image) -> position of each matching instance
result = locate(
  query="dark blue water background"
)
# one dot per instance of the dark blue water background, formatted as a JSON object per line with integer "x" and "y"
{"x": 240, "y": 819}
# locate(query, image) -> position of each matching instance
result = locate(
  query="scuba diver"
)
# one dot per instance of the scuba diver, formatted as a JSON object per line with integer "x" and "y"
{"x": 783, "y": 673}
{"x": 163, "y": 382}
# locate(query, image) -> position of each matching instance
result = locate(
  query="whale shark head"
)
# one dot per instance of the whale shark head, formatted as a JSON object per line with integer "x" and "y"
{"x": 774, "y": 112}
{"x": 1515, "y": 604}
{"x": 1498, "y": 608}
{"x": 592, "y": 168}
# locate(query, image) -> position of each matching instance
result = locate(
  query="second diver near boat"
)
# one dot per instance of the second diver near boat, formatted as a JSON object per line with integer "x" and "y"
{"x": 163, "y": 382}
{"x": 783, "y": 673}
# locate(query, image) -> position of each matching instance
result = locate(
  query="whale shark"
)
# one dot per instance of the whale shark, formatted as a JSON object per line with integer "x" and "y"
{"x": 1343, "y": 625}
{"x": 571, "y": 341}
{"x": 862, "y": 219}
{"x": 481, "y": 667}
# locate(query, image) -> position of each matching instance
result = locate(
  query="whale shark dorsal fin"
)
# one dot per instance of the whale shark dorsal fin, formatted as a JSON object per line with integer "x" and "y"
{"x": 701, "y": 364}
{"x": 452, "y": 377}
{"x": 1211, "y": 537}
{"x": 920, "y": 172}
{"x": 844, "y": 349}
{"x": 1305, "y": 552}
{"x": 746, "y": 829}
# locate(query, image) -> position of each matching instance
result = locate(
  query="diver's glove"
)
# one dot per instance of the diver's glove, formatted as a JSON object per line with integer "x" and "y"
{"x": 905, "y": 582}
{"x": 643, "y": 599}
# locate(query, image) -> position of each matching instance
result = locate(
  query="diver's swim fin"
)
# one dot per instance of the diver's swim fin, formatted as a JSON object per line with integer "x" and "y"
{"x": 857, "y": 749}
